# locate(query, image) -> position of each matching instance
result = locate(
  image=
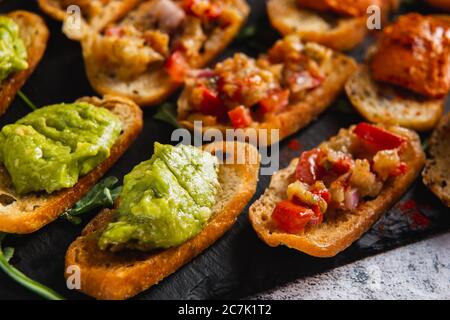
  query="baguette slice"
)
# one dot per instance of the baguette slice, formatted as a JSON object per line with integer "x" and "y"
{"x": 34, "y": 34}
{"x": 384, "y": 103}
{"x": 121, "y": 275}
{"x": 296, "y": 116}
{"x": 112, "y": 11}
{"x": 336, "y": 233}
{"x": 154, "y": 86}
{"x": 436, "y": 175}
{"x": 26, "y": 214}
{"x": 288, "y": 17}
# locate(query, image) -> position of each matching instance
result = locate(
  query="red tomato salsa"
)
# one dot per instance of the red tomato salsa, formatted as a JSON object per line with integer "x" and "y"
{"x": 339, "y": 174}
{"x": 263, "y": 86}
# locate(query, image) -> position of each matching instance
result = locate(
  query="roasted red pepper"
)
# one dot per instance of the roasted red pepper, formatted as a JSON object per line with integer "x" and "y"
{"x": 275, "y": 101}
{"x": 378, "y": 138}
{"x": 177, "y": 66}
{"x": 202, "y": 8}
{"x": 211, "y": 104}
{"x": 308, "y": 170}
{"x": 291, "y": 217}
{"x": 400, "y": 170}
{"x": 240, "y": 117}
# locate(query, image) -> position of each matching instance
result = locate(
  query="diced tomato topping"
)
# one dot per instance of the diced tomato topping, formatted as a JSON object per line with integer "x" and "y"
{"x": 214, "y": 11}
{"x": 211, "y": 104}
{"x": 276, "y": 101}
{"x": 202, "y": 8}
{"x": 307, "y": 170}
{"x": 291, "y": 217}
{"x": 114, "y": 31}
{"x": 177, "y": 66}
{"x": 342, "y": 166}
{"x": 401, "y": 169}
{"x": 378, "y": 138}
{"x": 304, "y": 80}
{"x": 325, "y": 194}
{"x": 318, "y": 218}
{"x": 240, "y": 117}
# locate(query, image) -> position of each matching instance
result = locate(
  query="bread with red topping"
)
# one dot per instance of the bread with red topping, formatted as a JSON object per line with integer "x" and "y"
{"x": 338, "y": 229}
{"x": 414, "y": 53}
{"x": 343, "y": 29}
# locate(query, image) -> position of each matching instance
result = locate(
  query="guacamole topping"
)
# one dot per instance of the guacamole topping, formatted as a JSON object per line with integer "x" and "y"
{"x": 50, "y": 148}
{"x": 13, "y": 54}
{"x": 165, "y": 201}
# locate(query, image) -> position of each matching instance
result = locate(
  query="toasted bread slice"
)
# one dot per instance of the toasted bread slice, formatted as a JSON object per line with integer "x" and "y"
{"x": 34, "y": 34}
{"x": 441, "y": 4}
{"x": 110, "y": 12}
{"x": 335, "y": 233}
{"x": 26, "y": 214}
{"x": 155, "y": 85}
{"x": 436, "y": 175}
{"x": 297, "y": 115}
{"x": 288, "y": 17}
{"x": 384, "y": 103}
{"x": 121, "y": 275}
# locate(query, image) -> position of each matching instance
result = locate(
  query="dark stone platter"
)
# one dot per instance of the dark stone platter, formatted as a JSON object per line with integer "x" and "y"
{"x": 239, "y": 264}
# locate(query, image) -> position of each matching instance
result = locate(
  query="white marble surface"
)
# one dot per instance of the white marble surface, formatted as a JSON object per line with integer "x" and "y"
{"x": 417, "y": 271}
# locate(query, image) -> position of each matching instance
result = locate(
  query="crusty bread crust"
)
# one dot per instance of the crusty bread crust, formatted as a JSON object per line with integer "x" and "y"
{"x": 375, "y": 102}
{"x": 121, "y": 275}
{"x": 34, "y": 34}
{"x": 113, "y": 11}
{"x": 336, "y": 233}
{"x": 29, "y": 213}
{"x": 288, "y": 17}
{"x": 154, "y": 86}
{"x": 436, "y": 175}
{"x": 337, "y": 70}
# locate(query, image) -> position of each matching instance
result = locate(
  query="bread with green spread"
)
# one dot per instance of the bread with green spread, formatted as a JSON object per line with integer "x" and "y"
{"x": 122, "y": 273}
{"x": 34, "y": 35}
{"x": 24, "y": 211}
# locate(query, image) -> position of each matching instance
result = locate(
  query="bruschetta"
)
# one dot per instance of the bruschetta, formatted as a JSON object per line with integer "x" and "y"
{"x": 283, "y": 90}
{"x": 95, "y": 14}
{"x": 43, "y": 166}
{"x": 146, "y": 55}
{"x": 328, "y": 197}
{"x": 436, "y": 175}
{"x": 408, "y": 74}
{"x": 118, "y": 264}
{"x": 31, "y": 33}
{"x": 340, "y": 25}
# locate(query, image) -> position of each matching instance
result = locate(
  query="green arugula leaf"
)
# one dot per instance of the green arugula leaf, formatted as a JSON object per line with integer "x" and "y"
{"x": 247, "y": 33}
{"x": 167, "y": 112}
{"x": 425, "y": 144}
{"x": 41, "y": 290}
{"x": 27, "y": 101}
{"x": 100, "y": 196}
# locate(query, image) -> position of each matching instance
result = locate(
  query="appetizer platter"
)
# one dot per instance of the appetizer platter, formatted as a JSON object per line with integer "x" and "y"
{"x": 363, "y": 165}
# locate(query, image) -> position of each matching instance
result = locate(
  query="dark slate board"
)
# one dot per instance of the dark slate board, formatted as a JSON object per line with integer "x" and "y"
{"x": 239, "y": 264}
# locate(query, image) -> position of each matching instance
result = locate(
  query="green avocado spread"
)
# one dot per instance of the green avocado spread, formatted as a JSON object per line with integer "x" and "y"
{"x": 165, "y": 201}
{"x": 13, "y": 54}
{"x": 50, "y": 148}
